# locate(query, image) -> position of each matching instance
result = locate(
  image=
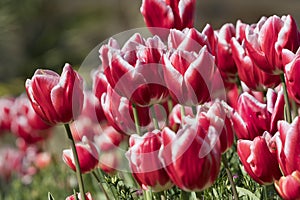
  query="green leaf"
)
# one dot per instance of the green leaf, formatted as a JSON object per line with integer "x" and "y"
{"x": 50, "y": 197}
{"x": 245, "y": 192}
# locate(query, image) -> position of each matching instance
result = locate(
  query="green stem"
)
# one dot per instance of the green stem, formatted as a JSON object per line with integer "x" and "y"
{"x": 182, "y": 110}
{"x": 286, "y": 100}
{"x": 100, "y": 184}
{"x": 154, "y": 118}
{"x": 77, "y": 166}
{"x": 194, "y": 109}
{"x": 115, "y": 195}
{"x": 184, "y": 195}
{"x": 148, "y": 194}
{"x": 265, "y": 192}
{"x": 136, "y": 119}
{"x": 230, "y": 178}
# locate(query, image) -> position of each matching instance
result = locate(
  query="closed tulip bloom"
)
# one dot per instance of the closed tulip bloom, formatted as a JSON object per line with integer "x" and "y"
{"x": 289, "y": 186}
{"x": 249, "y": 72}
{"x": 56, "y": 99}
{"x": 258, "y": 161}
{"x": 138, "y": 62}
{"x": 292, "y": 73}
{"x": 178, "y": 14}
{"x": 119, "y": 113}
{"x": 192, "y": 156}
{"x": 252, "y": 117}
{"x": 189, "y": 75}
{"x": 87, "y": 156}
{"x": 268, "y": 38}
{"x": 287, "y": 146}
{"x": 145, "y": 165}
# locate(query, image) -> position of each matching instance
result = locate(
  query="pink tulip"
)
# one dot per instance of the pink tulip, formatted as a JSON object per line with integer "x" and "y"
{"x": 265, "y": 42}
{"x": 189, "y": 75}
{"x": 258, "y": 161}
{"x": 119, "y": 113}
{"x": 249, "y": 72}
{"x": 137, "y": 63}
{"x": 5, "y": 116}
{"x": 145, "y": 165}
{"x": 252, "y": 117}
{"x": 108, "y": 139}
{"x": 87, "y": 156}
{"x": 168, "y": 14}
{"x": 192, "y": 156}
{"x": 56, "y": 99}
{"x": 287, "y": 146}
{"x": 289, "y": 186}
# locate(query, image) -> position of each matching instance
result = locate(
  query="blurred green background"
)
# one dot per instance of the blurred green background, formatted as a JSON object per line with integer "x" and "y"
{"x": 46, "y": 34}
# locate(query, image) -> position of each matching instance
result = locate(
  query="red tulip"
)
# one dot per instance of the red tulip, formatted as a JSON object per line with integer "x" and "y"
{"x": 87, "y": 156}
{"x": 175, "y": 119}
{"x": 188, "y": 40}
{"x": 287, "y": 146}
{"x": 168, "y": 14}
{"x": 258, "y": 161}
{"x": 249, "y": 72}
{"x": 289, "y": 186}
{"x": 119, "y": 113}
{"x": 225, "y": 61}
{"x": 5, "y": 116}
{"x": 56, "y": 99}
{"x": 109, "y": 161}
{"x": 292, "y": 73}
{"x": 189, "y": 76}
{"x": 88, "y": 196}
{"x": 145, "y": 165}
{"x": 137, "y": 63}
{"x": 265, "y": 42}
{"x": 192, "y": 156}
{"x": 253, "y": 118}
{"x": 108, "y": 139}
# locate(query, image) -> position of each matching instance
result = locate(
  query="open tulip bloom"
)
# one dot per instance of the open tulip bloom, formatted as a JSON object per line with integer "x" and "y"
{"x": 157, "y": 109}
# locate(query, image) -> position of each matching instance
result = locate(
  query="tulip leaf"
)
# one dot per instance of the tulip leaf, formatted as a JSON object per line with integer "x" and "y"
{"x": 50, "y": 197}
{"x": 245, "y": 192}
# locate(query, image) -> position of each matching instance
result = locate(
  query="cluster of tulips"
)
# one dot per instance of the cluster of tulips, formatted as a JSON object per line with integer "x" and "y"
{"x": 179, "y": 99}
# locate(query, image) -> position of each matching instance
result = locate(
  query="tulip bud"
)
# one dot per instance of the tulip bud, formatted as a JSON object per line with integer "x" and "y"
{"x": 288, "y": 187}
{"x": 144, "y": 162}
{"x": 56, "y": 99}
{"x": 257, "y": 159}
{"x": 87, "y": 156}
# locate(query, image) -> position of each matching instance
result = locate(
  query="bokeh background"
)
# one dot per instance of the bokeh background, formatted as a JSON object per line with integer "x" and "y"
{"x": 46, "y": 34}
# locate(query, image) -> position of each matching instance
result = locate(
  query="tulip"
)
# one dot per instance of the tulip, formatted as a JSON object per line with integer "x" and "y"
{"x": 252, "y": 118}
{"x": 178, "y": 14}
{"x": 5, "y": 109}
{"x": 145, "y": 165}
{"x": 119, "y": 113}
{"x": 265, "y": 42}
{"x": 87, "y": 156}
{"x": 289, "y": 186}
{"x": 225, "y": 61}
{"x": 88, "y": 196}
{"x": 189, "y": 76}
{"x": 175, "y": 117}
{"x": 56, "y": 99}
{"x": 287, "y": 146}
{"x": 292, "y": 74}
{"x": 258, "y": 161}
{"x": 192, "y": 156}
{"x": 249, "y": 72}
{"x": 137, "y": 63}
{"x": 188, "y": 40}
{"x": 108, "y": 139}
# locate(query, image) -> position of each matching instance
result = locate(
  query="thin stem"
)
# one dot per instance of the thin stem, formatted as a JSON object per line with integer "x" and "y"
{"x": 182, "y": 110}
{"x": 265, "y": 192}
{"x": 184, "y": 195}
{"x": 77, "y": 165}
{"x": 230, "y": 178}
{"x": 148, "y": 194}
{"x": 136, "y": 119}
{"x": 154, "y": 118}
{"x": 100, "y": 184}
{"x": 286, "y": 100}
{"x": 194, "y": 109}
